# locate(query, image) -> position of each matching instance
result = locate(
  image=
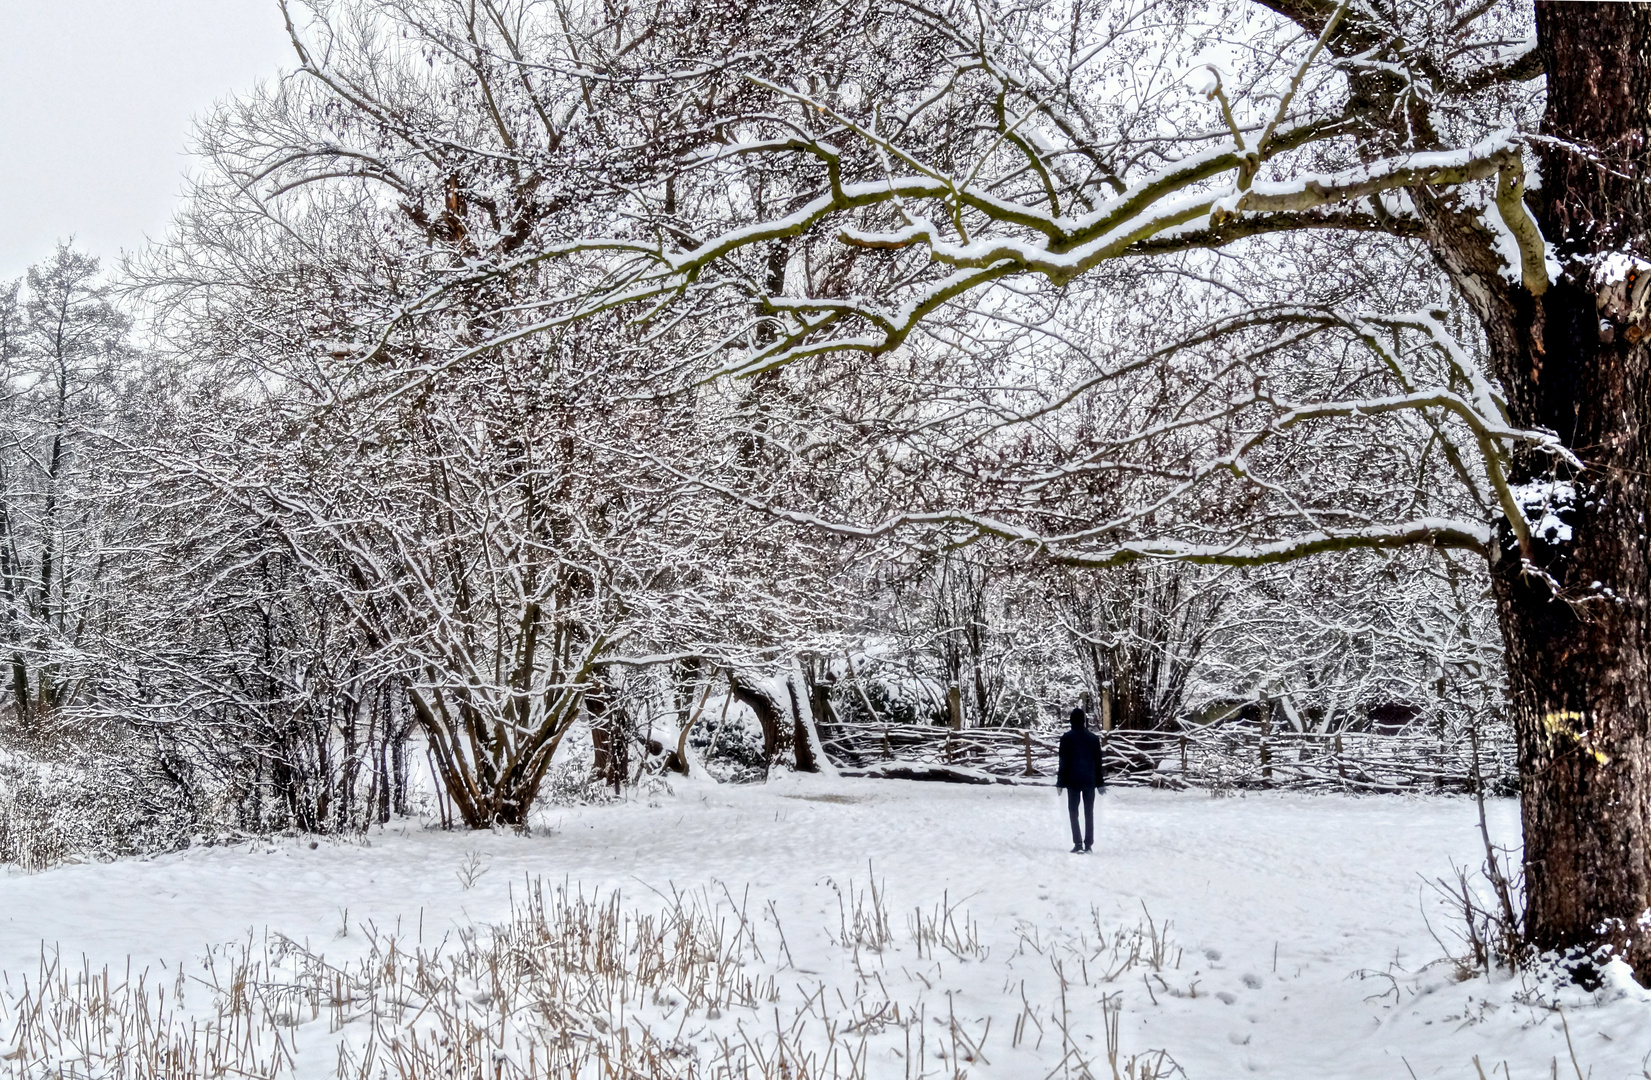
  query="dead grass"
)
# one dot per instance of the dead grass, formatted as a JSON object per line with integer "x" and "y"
{"x": 572, "y": 984}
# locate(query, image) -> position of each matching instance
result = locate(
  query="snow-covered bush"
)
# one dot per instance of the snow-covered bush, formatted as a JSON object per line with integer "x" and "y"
{"x": 883, "y": 703}
{"x": 83, "y": 802}
{"x": 730, "y": 746}
{"x": 571, "y": 782}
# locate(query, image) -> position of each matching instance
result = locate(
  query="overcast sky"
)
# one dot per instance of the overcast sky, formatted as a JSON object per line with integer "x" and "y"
{"x": 96, "y": 98}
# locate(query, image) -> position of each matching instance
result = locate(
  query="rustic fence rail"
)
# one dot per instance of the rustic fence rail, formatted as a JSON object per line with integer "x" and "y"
{"x": 1217, "y": 757}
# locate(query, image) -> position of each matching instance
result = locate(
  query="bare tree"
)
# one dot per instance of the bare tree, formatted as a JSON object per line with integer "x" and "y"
{"x": 1140, "y": 633}
{"x": 495, "y": 525}
{"x": 63, "y": 346}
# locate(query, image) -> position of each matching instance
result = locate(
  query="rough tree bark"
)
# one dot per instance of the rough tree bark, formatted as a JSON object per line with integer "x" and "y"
{"x": 1573, "y": 610}
{"x": 778, "y": 737}
{"x": 803, "y": 738}
{"x": 610, "y": 737}
{"x": 775, "y": 740}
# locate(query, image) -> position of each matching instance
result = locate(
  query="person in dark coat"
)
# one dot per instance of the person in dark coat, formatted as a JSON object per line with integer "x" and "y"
{"x": 1080, "y": 774}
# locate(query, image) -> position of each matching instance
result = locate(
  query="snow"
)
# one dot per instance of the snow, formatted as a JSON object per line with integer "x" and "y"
{"x": 1301, "y": 922}
{"x": 1613, "y": 267}
{"x": 1543, "y": 501}
{"x": 1205, "y": 79}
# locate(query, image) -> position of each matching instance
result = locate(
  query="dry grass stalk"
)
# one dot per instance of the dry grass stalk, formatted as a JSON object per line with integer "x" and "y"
{"x": 572, "y": 984}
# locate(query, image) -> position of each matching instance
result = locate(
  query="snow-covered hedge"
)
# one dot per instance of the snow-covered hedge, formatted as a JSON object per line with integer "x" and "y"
{"x": 84, "y": 803}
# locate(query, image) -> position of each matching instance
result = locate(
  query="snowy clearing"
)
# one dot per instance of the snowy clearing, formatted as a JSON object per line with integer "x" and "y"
{"x": 1296, "y": 944}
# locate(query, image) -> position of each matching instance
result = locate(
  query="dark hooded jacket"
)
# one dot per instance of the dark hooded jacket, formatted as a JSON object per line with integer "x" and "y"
{"x": 1080, "y": 760}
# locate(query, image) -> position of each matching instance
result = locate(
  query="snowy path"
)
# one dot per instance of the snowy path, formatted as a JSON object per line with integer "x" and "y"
{"x": 1331, "y": 886}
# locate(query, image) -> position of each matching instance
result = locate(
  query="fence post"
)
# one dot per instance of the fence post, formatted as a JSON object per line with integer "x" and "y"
{"x": 1183, "y": 756}
{"x": 888, "y": 751}
{"x": 1027, "y": 735}
{"x": 1341, "y": 762}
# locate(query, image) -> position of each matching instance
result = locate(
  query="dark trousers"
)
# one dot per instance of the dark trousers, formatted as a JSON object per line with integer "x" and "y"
{"x": 1088, "y": 793}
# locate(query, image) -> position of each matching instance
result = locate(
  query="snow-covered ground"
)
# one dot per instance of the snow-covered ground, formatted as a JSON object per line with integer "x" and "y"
{"x": 1300, "y": 923}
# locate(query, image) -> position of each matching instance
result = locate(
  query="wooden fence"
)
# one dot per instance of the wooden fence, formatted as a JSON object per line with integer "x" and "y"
{"x": 1217, "y": 757}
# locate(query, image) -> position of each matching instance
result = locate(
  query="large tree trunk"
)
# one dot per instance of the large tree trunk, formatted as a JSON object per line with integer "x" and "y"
{"x": 778, "y": 738}
{"x": 775, "y": 738}
{"x": 1573, "y": 603}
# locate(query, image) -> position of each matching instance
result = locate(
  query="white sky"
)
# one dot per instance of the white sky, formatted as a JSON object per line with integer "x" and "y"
{"x": 96, "y": 98}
